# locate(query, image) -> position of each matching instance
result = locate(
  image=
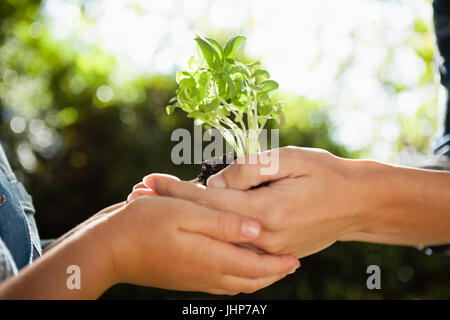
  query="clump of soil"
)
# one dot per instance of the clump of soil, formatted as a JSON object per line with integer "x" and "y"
{"x": 212, "y": 167}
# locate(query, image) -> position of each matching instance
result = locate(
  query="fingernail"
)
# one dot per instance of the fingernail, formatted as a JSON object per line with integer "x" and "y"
{"x": 295, "y": 267}
{"x": 250, "y": 230}
{"x": 216, "y": 181}
{"x": 149, "y": 183}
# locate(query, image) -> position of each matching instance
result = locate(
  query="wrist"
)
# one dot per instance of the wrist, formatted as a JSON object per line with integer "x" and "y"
{"x": 400, "y": 205}
{"x": 119, "y": 242}
{"x": 93, "y": 248}
{"x": 372, "y": 193}
{"x": 391, "y": 197}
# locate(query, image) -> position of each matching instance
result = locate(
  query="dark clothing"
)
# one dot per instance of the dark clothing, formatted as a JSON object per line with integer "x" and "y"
{"x": 442, "y": 28}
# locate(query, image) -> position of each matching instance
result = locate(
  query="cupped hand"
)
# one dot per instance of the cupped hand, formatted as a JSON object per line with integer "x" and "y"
{"x": 180, "y": 245}
{"x": 312, "y": 200}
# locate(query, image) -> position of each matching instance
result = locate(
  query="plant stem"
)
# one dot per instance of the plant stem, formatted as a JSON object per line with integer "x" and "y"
{"x": 222, "y": 131}
{"x": 240, "y": 138}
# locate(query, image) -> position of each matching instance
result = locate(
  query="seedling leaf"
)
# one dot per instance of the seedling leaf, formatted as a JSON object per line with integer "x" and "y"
{"x": 232, "y": 46}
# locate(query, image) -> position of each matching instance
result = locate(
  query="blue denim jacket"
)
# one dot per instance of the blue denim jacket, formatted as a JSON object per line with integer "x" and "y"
{"x": 19, "y": 238}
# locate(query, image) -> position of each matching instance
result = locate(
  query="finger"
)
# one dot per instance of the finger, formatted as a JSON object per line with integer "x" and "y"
{"x": 245, "y": 285}
{"x": 140, "y": 185}
{"x": 240, "y": 262}
{"x": 220, "y": 225}
{"x": 149, "y": 179}
{"x": 255, "y": 169}
{"x": 222, "y": 292}
{"x": 139, "y": 193}
{"x": 224, "y": 199}
{"x": 261, "y": 265}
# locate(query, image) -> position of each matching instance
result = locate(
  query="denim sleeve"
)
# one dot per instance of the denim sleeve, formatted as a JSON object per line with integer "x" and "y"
{"x": 7, "y": 265}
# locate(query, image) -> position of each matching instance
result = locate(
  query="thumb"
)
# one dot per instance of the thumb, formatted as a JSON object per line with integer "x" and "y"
{"x": 219, "y": 225}
{"x": 252, "y": 170}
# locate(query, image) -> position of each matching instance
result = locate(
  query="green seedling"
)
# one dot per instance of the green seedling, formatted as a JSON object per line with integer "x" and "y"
{"x": 221, "y": 92}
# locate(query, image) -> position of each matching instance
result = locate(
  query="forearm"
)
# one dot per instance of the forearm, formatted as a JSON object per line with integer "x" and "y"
{"x": 46, "y": 278}
{"x": 403, "y": 205}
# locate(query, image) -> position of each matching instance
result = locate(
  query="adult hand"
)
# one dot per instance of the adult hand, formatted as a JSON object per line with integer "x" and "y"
{"x": 312, "y": 201}
{"x": 177, "y": 244}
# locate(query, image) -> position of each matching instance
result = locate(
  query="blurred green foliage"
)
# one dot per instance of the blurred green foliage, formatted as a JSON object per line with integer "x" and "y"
{"x": 80, "y": 143}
